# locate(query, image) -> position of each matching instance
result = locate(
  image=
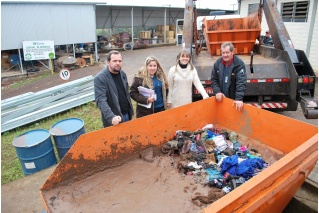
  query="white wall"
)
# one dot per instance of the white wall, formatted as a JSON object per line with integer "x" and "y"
{"x": 63, "y": 23}
{"x": 313, "y": 56}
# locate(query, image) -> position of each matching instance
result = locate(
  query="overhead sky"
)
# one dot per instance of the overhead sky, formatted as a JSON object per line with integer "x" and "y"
{"x": 210, "y": 4}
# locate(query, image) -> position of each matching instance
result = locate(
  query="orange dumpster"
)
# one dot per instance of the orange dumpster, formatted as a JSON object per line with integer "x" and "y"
{"x": 242, "y": 32}
{"x": 291, "y": 145}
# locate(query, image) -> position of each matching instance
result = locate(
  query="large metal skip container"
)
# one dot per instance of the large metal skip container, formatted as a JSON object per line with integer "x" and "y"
{"x": 269, "y": 191}
{"x": 242, "y": 32}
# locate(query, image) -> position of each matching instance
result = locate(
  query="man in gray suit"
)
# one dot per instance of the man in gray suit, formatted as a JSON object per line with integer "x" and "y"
{"x": 111, "y": 92}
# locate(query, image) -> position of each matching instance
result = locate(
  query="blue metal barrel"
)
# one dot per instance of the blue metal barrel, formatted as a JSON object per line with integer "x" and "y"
{"x": 65, "y": 133}
{"x": 35, "y": 151}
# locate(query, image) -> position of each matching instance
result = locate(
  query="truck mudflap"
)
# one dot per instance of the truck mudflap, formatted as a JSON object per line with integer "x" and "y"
{"x": 308, "y": 105}
{"x": 269, "y": 191}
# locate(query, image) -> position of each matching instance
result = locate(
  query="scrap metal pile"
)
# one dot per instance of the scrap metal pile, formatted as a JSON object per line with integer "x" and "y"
{"x": 119, "y": 41}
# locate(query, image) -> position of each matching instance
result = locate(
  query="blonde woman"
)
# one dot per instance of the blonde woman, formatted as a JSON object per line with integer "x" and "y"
{"x": 181, "y": 78}
{"x": 150, "y": 76}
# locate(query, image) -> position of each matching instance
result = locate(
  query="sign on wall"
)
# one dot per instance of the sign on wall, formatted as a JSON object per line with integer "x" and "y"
{"x": 38, "y": 50}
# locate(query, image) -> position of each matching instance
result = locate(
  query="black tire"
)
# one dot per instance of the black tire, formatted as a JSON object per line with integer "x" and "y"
{"x": 128, "y": 46}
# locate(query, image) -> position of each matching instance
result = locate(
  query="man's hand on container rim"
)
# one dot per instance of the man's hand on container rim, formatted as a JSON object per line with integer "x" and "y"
{"x": 116, "y": 120}
{"x": 239, "y": 105}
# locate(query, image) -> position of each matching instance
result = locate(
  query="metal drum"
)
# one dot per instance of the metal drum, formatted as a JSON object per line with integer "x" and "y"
{"x": 35, "y": 150}
{"x": 65, "y": 133}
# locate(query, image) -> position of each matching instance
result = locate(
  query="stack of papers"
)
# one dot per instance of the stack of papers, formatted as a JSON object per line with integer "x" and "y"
{"x": 147, "y": 93}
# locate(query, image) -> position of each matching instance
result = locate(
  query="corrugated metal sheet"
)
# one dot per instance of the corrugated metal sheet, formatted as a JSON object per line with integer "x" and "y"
{"x": 70, "y": 23}
{"x": 63, "y": 23}
{"x": 30, "y": 107}
{"x": 116, "y": 16}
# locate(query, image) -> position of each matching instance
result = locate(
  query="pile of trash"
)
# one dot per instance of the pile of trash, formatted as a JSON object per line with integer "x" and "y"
{"x": 216, "y": 158}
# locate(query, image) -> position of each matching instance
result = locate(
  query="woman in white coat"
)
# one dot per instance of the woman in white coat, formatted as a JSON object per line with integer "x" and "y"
{"x": 181, "y": 78}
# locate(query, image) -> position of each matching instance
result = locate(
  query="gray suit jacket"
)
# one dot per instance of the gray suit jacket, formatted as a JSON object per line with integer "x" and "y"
{"x": 106, "y": 96}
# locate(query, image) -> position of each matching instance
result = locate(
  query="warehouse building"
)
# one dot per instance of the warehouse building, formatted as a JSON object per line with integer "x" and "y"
{"x": 71, "y": 26}
{"x": 83, "y": 24}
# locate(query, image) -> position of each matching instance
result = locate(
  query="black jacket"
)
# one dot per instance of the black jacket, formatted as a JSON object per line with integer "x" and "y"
{"x": 238, "y": 69}
{"x": 267, "y": 40}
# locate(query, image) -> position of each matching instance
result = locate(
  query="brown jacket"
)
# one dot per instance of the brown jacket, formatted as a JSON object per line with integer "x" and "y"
{"x": 136, "y": 96}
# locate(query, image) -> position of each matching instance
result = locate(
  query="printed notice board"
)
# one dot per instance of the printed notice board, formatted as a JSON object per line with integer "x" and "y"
{"x": 38, "y": 50}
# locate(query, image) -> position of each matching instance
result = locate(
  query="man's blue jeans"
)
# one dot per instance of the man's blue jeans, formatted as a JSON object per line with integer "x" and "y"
{"x": 126, "y": 117}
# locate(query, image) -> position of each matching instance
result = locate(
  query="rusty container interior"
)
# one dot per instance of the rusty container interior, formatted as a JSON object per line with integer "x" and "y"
{"x": 242, "y": 32}
{"x": 271, "y": 190}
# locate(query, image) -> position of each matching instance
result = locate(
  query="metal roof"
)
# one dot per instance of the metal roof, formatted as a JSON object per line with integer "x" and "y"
{"x": 53, "y": 2}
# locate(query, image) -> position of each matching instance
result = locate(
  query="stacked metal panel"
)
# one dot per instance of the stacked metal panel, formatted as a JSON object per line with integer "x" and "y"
{"x": 29, "y": 107}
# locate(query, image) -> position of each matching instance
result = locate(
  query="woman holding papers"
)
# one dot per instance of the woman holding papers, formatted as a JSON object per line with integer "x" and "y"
{"x": 149, "y": 88}
{"x": 181, "y": 78}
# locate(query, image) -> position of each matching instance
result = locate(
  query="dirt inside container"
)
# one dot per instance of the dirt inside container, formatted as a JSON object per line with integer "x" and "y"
{"x": 149, "y": 183}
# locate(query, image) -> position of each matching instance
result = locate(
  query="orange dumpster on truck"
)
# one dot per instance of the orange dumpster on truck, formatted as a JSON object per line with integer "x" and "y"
{"x": 290, "y": 145}
{"x": 241, "y": 31}
{"x": 279, "y": 77}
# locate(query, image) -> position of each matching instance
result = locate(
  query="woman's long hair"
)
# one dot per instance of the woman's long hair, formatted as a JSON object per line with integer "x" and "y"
{"x": 160, "y": 74}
